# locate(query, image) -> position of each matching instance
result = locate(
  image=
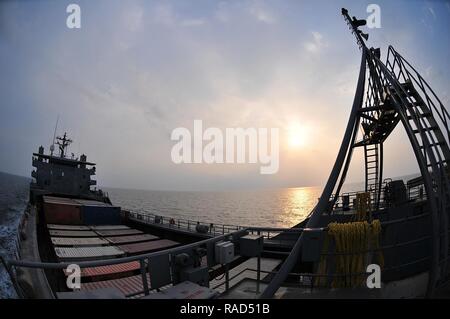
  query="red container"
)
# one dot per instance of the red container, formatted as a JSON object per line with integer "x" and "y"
{"x": 148, "y": 246}
{"x": 62, "y": 211}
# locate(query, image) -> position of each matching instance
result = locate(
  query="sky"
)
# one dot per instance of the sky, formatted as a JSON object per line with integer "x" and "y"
{"x": 136, "y": 70}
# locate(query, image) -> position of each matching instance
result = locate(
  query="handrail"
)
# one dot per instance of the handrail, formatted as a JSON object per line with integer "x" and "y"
{"x": 190, "y": 221}
{"x": 31, "y": 264}
{"x": 115, "y": 261}
{"x": 300, "y": 229}
{"x": 215, "y": 229}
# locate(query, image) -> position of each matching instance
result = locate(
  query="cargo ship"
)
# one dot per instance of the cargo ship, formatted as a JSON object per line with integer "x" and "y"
{"x": 389, "y": 240}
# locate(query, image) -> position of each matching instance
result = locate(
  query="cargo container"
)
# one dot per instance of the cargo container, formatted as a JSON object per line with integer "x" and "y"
{"x": 100, "y": 214}
{"x": 67, "y": 211}
{"x": 88, "y": 202}
{"x": 67, "y": 200}
{"x": 148, "y": 246}
{"x": 131, "y": 239}
{"x": 59, "y": 210}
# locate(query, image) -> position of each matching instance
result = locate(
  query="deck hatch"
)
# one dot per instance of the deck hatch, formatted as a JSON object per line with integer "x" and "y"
{"x": 109, "y": 227}
{"x": 74, "y": 241}
{"x": 67, "y": 227}
{"x": 72, "y": 233}
{"x": 131, "y": 239}
{"x": 148, "y": 246}
{"x": 87, "y": 253}
{"x": 109, "y": 269}
{"x": 118, "y": 232}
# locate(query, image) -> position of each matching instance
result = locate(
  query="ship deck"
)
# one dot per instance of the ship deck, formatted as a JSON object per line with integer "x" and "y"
{"x": 78, "y": 243}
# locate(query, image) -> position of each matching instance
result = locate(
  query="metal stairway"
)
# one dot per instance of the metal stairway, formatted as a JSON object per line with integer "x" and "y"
{"x": 415, "y": 105}
{"x": 396, "y": 92}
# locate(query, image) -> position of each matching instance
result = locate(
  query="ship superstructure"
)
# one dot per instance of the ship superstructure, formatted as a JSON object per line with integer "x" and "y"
{"x": 59, "y": 174}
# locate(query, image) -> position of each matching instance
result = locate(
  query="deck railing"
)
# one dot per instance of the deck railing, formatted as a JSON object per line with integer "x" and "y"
{"x": 345, "y": 201}
{"x": 211, "y": 229}
{"x": 215, "y": 233}
{"x": 145, "y": 260}
{"x": 270, "y": 234}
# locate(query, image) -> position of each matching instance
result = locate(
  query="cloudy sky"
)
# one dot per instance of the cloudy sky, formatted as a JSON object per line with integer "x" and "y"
{"x": 136, "y": 70}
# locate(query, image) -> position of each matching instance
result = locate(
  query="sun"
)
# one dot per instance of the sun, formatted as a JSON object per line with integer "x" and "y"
{"x": 296, "y": 136}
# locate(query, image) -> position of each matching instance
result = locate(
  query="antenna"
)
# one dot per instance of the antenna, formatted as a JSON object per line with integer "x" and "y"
{"x": 354, "y": 24}
{"x": 52, "y": 147}
{"x": 63, "y": 143}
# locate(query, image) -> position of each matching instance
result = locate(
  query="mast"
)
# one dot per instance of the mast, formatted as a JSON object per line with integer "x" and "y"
{"x": 63, "y": 143}
{"x": 52, "y": 147}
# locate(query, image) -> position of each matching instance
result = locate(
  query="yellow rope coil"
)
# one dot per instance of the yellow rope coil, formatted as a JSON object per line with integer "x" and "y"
{"x": 353, "y": 245}
{"x": 362, "y": 206}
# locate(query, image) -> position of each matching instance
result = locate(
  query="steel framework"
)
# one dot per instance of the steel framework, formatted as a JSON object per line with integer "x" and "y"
{"x": 387, "y": 94}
